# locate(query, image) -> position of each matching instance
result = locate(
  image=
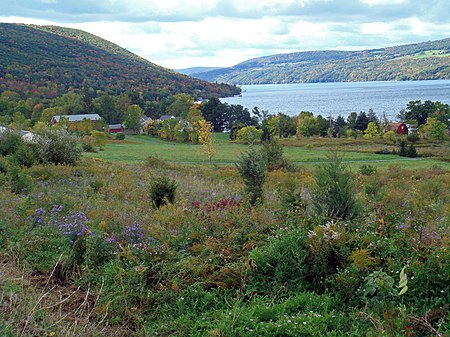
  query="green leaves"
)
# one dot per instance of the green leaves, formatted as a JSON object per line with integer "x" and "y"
{"x": 403, "y": 282}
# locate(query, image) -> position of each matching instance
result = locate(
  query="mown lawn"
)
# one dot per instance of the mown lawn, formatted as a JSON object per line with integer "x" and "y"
{"x": 138, "y": 148}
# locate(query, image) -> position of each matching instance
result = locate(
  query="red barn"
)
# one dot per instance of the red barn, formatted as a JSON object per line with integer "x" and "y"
{"x": 399, "y": 128}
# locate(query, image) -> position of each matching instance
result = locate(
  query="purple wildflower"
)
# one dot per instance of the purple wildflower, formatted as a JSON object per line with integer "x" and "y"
{"x": 133, "y": 234}
{"x": 38, "y": 217}
{"x": 73, "y": 225}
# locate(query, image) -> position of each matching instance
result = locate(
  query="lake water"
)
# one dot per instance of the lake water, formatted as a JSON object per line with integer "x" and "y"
{"x": 341, "y": 98}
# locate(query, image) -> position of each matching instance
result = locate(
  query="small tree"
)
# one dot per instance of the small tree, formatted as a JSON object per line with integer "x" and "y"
{"x": 274, "y": 154}
{"x": 372, "y": 130}
{"x": 252, "y": 168}
{"x": 206, "y": 138}
{"x": 162, "y": 191}
{"x": 402, "y": 148}
{"x": 334, "y": 195}
{"x": 411, "y": 151}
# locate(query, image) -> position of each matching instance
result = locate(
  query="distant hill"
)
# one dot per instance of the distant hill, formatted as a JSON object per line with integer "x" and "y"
{"x": 195, "y": 70}
{"x": 420, "y": 61}
{"x": 47, "y": 61}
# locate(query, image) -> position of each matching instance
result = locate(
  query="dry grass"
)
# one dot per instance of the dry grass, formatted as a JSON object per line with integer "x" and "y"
{"x": 38, "y": 304}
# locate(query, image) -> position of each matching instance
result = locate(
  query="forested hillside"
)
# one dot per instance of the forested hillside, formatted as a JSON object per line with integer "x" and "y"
{"x": 421, "y": 61}
{"x": 49, "y": 61}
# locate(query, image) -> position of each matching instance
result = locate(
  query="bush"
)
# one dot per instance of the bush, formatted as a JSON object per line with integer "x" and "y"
{"x": 252, "y": 168}
{"x": 87, "y": 143}
{"x": 402, "y": 148}
{"x": 9, "y": 141}
{"x": 57, "y": 146}
{"x": 99, "y": 138}
{"x": 367, "y": 170}
{"x": 282, "y": 261}
{"x": 3, "y": 165}
{"x": 20, "y": 181}
{"x": 273, "y": 152}
{"x": 334, "y": 195}
{"x": 120, "y": 136}
{"x": 24, "y": 155}
{"x": 162, "y": 191}
{"x": 390, "y": 136}
{"x": 411, "y": 151}
{"x": 413, "y": 137}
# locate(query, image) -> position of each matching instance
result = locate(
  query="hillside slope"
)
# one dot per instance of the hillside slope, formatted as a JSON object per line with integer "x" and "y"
{"x": 421, "y": 61}
{"x": 48, "y": 61}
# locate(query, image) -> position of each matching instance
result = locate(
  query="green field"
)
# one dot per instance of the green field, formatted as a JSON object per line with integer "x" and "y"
{"x": 138, "y": 148}
{"x": 431, "y": 53}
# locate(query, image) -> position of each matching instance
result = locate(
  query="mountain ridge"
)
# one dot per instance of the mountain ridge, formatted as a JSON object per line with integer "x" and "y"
{"x": 419, "y": 61}
{"x": 48, "y": 61}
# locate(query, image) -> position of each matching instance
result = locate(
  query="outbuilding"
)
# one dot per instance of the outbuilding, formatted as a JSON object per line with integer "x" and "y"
{"x": 398, "y": 128}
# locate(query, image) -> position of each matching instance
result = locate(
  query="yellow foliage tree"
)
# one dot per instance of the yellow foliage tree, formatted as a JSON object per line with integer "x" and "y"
{"x": 206, "y": 138}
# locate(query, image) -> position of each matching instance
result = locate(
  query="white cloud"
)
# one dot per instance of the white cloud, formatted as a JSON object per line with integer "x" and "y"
{"x": 383, "y": 2}
{"x": 179, "y": 34}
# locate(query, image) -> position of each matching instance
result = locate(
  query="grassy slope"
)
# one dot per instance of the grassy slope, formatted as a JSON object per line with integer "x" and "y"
{"x": 138, "y": 148}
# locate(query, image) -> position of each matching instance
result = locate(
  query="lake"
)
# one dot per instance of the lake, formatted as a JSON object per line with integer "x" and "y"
{"x": 383, "y": 97}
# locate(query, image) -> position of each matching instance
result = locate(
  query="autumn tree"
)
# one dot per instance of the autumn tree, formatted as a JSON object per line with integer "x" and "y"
{"x": 207, "y": 138}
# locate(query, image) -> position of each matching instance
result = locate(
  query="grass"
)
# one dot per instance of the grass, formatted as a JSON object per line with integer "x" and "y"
{"x": 306, "y": 151}
{"x": 207, "y": 269}
{"x": 431, "y": 53}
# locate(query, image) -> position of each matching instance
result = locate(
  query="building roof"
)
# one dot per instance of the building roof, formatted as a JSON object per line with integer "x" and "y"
{"x": 166, "y": 117}
{"x": 115, "y": 126}
{"x": 77, "y": 118}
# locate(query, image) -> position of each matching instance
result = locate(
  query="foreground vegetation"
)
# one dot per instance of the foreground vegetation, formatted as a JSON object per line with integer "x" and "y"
{"x": 86, "y": 250}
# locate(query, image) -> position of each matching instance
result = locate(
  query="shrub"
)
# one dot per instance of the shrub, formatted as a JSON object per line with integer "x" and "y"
{"x": 273, "y": 152}
{"x": 402, "y": 148}
{"x": 162, "y": 191}
{"x": 120, "y": 136}
{"x": 57, "y": 146}
{"x": 413, "y": 137}
{"x": 367, "y": 170}
{"x": 283, "y": 261}
{"x": 99, "y": 138}
{"x": 87, "y": 143}
{"x": 252, "y": 168}
{"x": 20, "y": 181}
{"x": 24, "y": 155}
{"x": 3, "y": 165}
{"x": 9, "y": 141}
{"x": 334, "y": 195}
{"x": 390, "y": 136}
{"x": 411, "y": 151}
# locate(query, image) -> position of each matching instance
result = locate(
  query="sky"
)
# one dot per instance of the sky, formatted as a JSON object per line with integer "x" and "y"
{"x": 220, "y": 33}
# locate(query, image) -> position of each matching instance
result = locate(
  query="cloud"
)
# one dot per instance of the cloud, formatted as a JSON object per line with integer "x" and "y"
{"x": 178, "y": 34}
{"x": 196, "y": 10}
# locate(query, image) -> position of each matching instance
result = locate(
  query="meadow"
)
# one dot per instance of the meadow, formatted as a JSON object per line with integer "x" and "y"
{"x": 302, "y": 151}
{"x": 85, "y": 252}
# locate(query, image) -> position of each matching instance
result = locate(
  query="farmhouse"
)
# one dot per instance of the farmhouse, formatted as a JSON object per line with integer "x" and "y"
{"x": 399, "y": 128}
{"x": 76, "y": 118}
